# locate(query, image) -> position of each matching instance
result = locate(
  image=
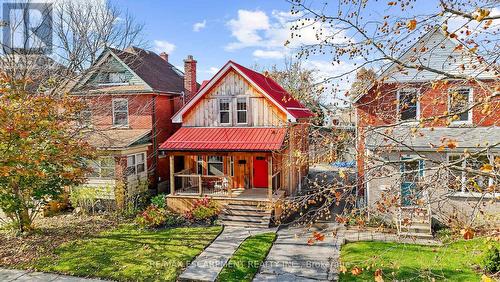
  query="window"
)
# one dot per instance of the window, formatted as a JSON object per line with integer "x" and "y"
{"x": 462, "y": 181}
{"x": 459, "y": 103}
{"x": 408, "y": 104}
{"x": 215, "y": 165}
{"x": 241, "y": 110}
{"x": 199, "y": 165}
{"x": 231, "y": 166}
{"x": 85, "y": 118}
{"x": 136, "y": 164}
{"x": 117, "y": 77}
{"x": 104, "y": 167}
{"x": 120, "y": 112}
{"x": 224, "y": 111}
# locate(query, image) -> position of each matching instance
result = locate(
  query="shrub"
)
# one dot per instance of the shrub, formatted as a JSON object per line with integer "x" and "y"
{"x": 491, "y": 260}
{"x": 159, "y": 201}
{"x": 203, "y": 210}
{"x": 154, "y": 217}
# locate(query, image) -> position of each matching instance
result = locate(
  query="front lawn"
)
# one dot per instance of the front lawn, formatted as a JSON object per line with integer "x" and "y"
{"x": 457, "y": 261}
{"x": 127, "y": 253}
{"x": 247, "y": 259}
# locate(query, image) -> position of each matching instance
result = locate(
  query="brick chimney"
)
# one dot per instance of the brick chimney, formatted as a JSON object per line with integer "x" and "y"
{"x": 164, "y": 56}
{"x": 190, "y": 84}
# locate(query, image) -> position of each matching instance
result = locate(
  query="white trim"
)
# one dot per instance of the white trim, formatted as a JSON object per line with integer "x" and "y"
{"x": 463, "y": 176}
{"x": 113, "y": 113}
{"x": 177, "y": 118}
{"x": 229, "y": 111}
{"x": 246, "y": 110}
{"x": 417, "y": 102}
{"x": 470, "y": 101}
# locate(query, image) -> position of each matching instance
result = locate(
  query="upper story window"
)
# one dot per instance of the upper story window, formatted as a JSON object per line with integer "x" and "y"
{"x": 103, "y": 167}
{"x": 459, "y": 102}
{"x": 241, "y": 110}
{"x": 136, "y": 164}
{"x": 114, "y": 78}
{"x": 120, "y": 112}
{"x": 408, "y": 105}
{"x": 225, "y": 111}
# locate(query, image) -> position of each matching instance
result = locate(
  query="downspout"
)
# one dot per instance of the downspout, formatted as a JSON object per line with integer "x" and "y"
{"x": 155, "y": 149}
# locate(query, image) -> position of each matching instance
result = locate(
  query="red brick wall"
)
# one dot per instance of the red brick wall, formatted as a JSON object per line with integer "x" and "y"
{"x": 379, "y": 107}
{"x": 141, "y": 108}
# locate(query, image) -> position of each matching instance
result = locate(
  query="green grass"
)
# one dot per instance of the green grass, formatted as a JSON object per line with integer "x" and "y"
{"x": 456, "y": 261}
{"x": 247, "y": 259}
{"x": 126, "y": 253}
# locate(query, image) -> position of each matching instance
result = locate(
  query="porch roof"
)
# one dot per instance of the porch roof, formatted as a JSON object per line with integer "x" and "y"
{"x": 226, "y": 139}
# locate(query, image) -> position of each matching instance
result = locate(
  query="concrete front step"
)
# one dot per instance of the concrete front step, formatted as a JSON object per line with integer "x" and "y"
{"x": 226, "y": 217}
{"x": 246, "y": 224}
{"x": 416, "y": 235}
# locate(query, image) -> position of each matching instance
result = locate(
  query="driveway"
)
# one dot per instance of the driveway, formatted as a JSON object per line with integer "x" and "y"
{"x": 292, "y": 259}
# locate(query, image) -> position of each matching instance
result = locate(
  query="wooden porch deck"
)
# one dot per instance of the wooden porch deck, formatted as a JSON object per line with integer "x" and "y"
{"x": 254, "y": 194}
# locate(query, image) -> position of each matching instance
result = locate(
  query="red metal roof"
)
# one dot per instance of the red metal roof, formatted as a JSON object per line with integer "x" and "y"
{"x": 273, "y": 89}
{"x": 225, "y": 139}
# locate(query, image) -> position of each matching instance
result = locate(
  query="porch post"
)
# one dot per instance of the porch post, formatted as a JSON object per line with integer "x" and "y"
{"x": 270, "y": 178}
{"x": 230, "y": 188}
{"x": 172, "y": 178}
{"x": 200, "y": 189}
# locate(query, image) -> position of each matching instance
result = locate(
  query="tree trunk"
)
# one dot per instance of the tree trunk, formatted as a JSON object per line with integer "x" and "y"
{"x": 24, "y": 220}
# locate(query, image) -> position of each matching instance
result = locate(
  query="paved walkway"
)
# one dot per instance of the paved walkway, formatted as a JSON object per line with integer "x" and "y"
{"x": 292, "y": 259}
{"x": 24, "y": 275}
{"x": 209, "y": 263}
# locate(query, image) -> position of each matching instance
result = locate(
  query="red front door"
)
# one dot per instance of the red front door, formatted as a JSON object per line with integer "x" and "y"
{"x": 260, "y": 172}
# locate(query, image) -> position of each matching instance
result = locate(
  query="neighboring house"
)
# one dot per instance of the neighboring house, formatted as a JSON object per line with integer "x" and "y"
{"x": 131, "y": 96}
{"x": 333, "y": 143}
{"x": 243, "y": 137}
{"x": 403, "y": 108}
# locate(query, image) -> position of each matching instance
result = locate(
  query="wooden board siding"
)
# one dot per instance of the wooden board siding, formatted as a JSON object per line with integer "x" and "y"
{"x": 241, "y": 171}
{"x": 261, "y": 112}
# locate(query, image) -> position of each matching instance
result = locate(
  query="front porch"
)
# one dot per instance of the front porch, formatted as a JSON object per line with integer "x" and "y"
{"x": 231, "y": 175}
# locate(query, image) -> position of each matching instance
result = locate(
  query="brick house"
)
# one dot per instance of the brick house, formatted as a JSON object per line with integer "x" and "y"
{"x": 131, "y": 96}
{"x": 408, "y": 121}
{"x": 243, "y": 141}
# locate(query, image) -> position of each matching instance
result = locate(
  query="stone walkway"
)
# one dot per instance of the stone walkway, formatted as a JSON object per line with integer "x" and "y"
{"x": 8, "y": 275}
{"x": 292, "y": 259}
{"x": 209, "y": 263}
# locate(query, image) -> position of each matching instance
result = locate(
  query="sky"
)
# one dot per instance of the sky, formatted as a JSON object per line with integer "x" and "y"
{"x": 251, "y": 32}
{"x": 248, "y": 32}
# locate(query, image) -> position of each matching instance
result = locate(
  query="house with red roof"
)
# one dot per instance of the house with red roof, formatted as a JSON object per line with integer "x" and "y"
{"x": 243, "y": 139}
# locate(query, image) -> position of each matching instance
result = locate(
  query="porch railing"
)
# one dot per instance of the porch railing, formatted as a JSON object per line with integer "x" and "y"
{"x": 188, "y": 183}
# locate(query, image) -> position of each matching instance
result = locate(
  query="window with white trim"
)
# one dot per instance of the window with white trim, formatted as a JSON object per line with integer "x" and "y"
{"x": 241, "y": 110}
{"x": 459, "y": 102}
{"x": 408, "y": 105}
{"x": 225, "y": 111}
{"x": 85, "y": 119}
{"x": 215, "y": 165}
{"x": 231, "y": 166}
{"x": 136, "y": 164}
{"x": 462, "y": 181}
{"x": 199, "y": 165}
{"x": 120, "y": 112}
{"x": 103, "y": 167}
